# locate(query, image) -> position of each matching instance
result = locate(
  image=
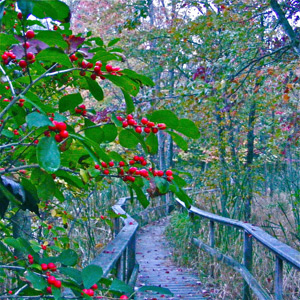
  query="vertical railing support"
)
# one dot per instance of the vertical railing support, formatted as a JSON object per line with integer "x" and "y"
{"x": 116, "y": 226}
{"x": 247, "y": 260}
{"x": 212, "y": 233}
{"x": 212, "y": 244}
{"x": 278, "y": 278}
{"x": 131, "y": 257}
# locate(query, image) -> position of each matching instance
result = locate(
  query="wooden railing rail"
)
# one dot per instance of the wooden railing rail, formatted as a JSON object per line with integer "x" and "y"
{"x": 283, "y": 252}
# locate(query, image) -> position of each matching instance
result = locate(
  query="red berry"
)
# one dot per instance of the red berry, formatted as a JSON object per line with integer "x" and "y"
{"x": 150, "y": 124}
{"x": 51, "y": 279}
{"x": 121, "y": 164}
{"x": 30, "y": 55}
{"x": 64, "y": 134}
{"x": 82, "y": 73}
{"x": 57, "y": 283}
{"x": 98, "y": 64}
{"x": 111, "y": 164}
{"x": 50, "y": 226}
{"x": 170, "y": 178}
{"x": 30, "y": 256}
{"x": 89, "y": 65}
{"x": 129, "y": 117}
{"x": 138, "y": 129}
{"x": 31, "y": 261}
{"x": 102, "y": 218}
{"x": 169, "y": 173}
{"x": 154, "y": 130}
{"x": 58, "y": 138}
{"x": 20, "y": 16}
{"x": 97, "y": 167}
{"x": 73, "y": 57}
{"x": 26, "y": 45}
{"x": 22, "y": 100}
{"x": 10, "y": 292}
{"x": 51, "y": 266}
{"x": 144, "y": 163}
{"x": 90, "y": 292}
{"x": 125, "y": 124}
{"x": 160, "y": 173}
{"x": 44, "y": 247}
{"x": 144, "y": 121}
{"x": 30, "y": 34}
{"x": 22, "y": 63}
{"x": 147, "y": 130}
{"x": 119, "y": 118}
{"x": 4, "y": 56}
{"x": 44, "y": 267}
{"x": 60, "y": 126}
{"x": 49, "y": 290}
{"x": 132, "y": 170}
{"x": 93, "y": 76}
{"x": 104, "y": 164}
{"x": 124, "y": 297}
{"x": 55, "y": 27}
{"x": 131, "y": 162}
{"x": 78, "y": 110}
{"x": 131, "y": 122}
{"x": 109, "y": 68}
{"x": 94, "y": 286}
{"x": 121, "y": 172}
{"x": 136, "y": 158}
{"x": 106, "y": 172}
{"x": 162, "y": 126}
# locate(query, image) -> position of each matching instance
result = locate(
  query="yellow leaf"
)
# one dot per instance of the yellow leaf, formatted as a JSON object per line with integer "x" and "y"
{"x": 53, "y": 213}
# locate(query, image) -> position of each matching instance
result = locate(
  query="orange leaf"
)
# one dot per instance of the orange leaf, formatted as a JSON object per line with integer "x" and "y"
{"x": 286, "y": 98}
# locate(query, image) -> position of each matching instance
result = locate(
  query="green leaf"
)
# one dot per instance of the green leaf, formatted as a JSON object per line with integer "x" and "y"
{"x": 95, "y": 89}
{"x": 56, "y": 292}
{"x": 188, "y": 128}
{"x": 138, "y": 77}
{"x": 36, "y": 119}
{"x": 94, "y": 133}
{"x": 158, "y": 289}
{"x": 51, "y": 38}
{"x": 12, "y": 242}
{"x": 179, "y": 181}
{"x": 113, "y": 42}
{"x": 179, "y": 141}
{"x": 110, "y": 132}
{"x": 38, "y": 282}
{"x": 36, "y": 102}
{"x": 115, "y": 120}
{"x": 104, "y": 56}
{"x": 72, "y": 273}
{"x": 7, "y": 40}
{"x": 91, "y": 275}
{"x": 46, "y": 185}
{"x": 162, "y": 184}
{"x": 140, "y": 196}
{"x": 48, "y": 155}
{"x": 124, "y": 83}
{"x": 70, "y": 179}
{"x": 19, "y": 115}
{"x": 26, "y": 7}
{"x": 183, "y": 197}
{"x": 54, "y": 9}
{"x": 115, "y": 156}
{"x": 129, "y": 103}
{"x": 54, "y": 55}
{"x": 128, "y": 139}
{"x": 120, "y": 286}
{"x": 165, "y": 116}
{"x": 152, "y": 143}
{"x": 69, "y": 102}
{"x": 68, "y": 257}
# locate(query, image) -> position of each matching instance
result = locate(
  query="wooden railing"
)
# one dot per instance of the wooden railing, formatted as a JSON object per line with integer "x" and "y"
{"x": 120, "y": 252}
{"x": 283, "y": 252}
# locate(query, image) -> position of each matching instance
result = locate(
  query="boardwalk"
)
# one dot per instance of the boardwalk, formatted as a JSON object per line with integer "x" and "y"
{"x": 156, "y": 268}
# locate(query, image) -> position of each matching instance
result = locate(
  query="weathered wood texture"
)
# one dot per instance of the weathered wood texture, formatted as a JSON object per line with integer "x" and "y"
{"x": 282, "y": 251}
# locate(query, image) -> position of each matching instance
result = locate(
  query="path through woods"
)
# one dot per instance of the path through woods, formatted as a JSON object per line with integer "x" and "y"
{"x": 157, "y": 268}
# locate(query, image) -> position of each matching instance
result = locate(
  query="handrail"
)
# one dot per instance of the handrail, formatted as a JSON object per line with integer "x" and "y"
{"x": 120, "y": 252}
{"x": 282, "y": 252}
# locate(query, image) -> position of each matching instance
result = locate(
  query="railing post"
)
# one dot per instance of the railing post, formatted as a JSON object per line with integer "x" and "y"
{"x": 278, "y": 278}
{"x": 212, "y": 244}
{"x": 247, "y": 253}
{"x": 116, "y": 226}
{"x": 130, "y": 257}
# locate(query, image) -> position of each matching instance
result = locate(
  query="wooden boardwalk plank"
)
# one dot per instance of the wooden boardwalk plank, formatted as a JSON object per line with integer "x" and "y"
{"x": 156, "y": 268}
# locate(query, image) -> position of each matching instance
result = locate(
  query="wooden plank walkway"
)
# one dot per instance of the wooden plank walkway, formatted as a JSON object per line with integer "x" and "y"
{"x": 156, "y": 267}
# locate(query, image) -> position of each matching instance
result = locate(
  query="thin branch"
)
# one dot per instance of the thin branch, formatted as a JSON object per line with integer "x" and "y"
{"x": 9, "y": 82}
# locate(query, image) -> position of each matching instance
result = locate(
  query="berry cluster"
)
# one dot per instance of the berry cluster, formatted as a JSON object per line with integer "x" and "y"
{"x": 128, "y": 172}
{"x": 30, "y": 259}
{"x": 145, "y": 124}
{"x": 7, "y": 56}
{"x": 59, "y": 127}
{"x": 81, "y": 109}
{"x": 90, "y": 292}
